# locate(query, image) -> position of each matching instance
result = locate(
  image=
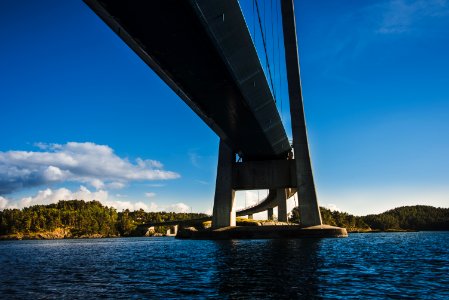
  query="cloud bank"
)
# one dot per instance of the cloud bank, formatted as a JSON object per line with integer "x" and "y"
{"x": 49, "y": 196}
{"x": 89, "y": 163}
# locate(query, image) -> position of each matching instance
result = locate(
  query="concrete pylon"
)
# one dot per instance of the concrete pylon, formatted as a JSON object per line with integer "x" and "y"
{"x": 282, "y": 205}
{"x": 250, "y": 216}
{"x": 224, "y": 213}
{"x": 308, "y": 203}
{"x": 270, "y": 214}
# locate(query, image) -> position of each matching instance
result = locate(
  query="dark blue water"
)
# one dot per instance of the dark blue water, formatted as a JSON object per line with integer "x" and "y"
{"x": 390, "y": 265}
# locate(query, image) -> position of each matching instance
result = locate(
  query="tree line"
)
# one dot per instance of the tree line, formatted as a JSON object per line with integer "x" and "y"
{"x": 417, "y": 217}
{"x": 82, "y": 219}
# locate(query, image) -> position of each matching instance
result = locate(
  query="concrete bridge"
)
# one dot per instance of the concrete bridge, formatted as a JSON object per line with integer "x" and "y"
{"x": 203, "y": 50}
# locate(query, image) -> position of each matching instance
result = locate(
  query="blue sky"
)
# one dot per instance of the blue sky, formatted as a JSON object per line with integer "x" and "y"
{"x": 83, "y": 117}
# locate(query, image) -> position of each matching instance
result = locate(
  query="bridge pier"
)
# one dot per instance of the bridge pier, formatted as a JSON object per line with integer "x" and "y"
{"x": 172, "y": 231}
{"x": 250, "y": 216}
{"x": 270, "y": 214}
{"x": 224, "y": 213}
{"x": 282, "y": 205}
{"x": 308, "y": 203}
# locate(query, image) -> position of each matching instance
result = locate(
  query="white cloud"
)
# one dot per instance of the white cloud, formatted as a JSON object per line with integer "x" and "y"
{"x": 401, "y": 15}
{"x": 156, "y": 185}
{"x": 251, "y": 198}
{"x": 150, "y": 195}
{"x": 202, "y": 182}
{"x": 331, "y": 207}
{"x": 363, "y": 201}
{"x": 149, "y": 163}
{"x": 153, "y": 207}
{"x": 178, "y": 208}
{"x": 80, "y": 162}
{"x": 369, "y": 24}
{"x": 3, "y": 203}
{"x": 194, "y": 159}
{"x": 116, "y": 185}
{"x": 52, "y": 173}
{"x": 97, "y": 183}
{"x": 49, "y": 196}
{"x": 122, "y": 205}
{"x": 43, "y": 146}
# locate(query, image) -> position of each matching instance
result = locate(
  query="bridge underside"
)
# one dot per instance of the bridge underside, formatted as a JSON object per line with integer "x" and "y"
{"x": 221, "y": 77}
{"x": 203, "y": 50}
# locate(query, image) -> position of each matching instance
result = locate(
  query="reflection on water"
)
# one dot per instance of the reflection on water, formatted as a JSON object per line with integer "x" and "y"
{"x": 276, "y": 268}
{"x": 393, "y": 265}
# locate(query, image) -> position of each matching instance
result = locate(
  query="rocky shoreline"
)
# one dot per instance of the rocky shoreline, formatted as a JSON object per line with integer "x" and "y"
{"x": 61, "y": 233}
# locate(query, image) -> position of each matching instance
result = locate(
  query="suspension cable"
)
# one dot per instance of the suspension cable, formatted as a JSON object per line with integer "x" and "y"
{"x": 272, "y": 41}
{"x": 264, "y": 26}
{"x": 279, "y": 60}
{"x": 265, "y": 50}
{"x": 254, "y": 24}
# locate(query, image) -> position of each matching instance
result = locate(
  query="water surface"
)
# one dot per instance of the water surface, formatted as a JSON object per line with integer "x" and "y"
{"x": 381, "y": 265}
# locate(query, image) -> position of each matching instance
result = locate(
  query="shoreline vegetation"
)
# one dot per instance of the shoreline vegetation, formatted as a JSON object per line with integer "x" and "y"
{"x": 400, "y": 219}
{"x": 81, "y": 219}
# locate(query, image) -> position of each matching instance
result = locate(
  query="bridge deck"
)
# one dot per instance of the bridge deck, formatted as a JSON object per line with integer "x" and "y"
{"x": 270, "y": 201}
{"x": 203, "y": 50}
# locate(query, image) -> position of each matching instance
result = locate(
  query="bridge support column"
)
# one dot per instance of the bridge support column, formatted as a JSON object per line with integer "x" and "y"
{"x": 270, "y": 214}
{"x": 224, "y": 213}
{"x": 282, "y": 205}
{"x": 308, "y": 203}
{"x": 250, "y": 216}
{"x": 172, "y": 231}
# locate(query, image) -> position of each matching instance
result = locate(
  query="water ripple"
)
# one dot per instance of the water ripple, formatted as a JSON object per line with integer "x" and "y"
{"x": 390, "y": 265}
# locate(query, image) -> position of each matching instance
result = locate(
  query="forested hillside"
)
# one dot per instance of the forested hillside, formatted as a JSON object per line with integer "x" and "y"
{"x": 79, "y": 218}
{"x": 418, "y": 217}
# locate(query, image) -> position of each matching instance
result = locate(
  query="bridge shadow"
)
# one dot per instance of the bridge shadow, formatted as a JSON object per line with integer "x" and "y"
{"x": 267, "y": 268}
